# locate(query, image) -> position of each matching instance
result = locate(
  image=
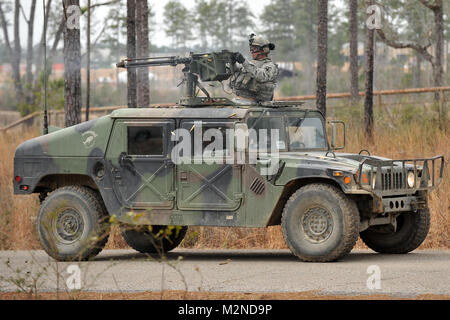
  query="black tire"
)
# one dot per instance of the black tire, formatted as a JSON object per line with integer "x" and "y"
{"x": 159, "y": 240}
{"x": 412, "y": 229}
{"x": 73, "y": 224}
{"x": 320, "y": 224}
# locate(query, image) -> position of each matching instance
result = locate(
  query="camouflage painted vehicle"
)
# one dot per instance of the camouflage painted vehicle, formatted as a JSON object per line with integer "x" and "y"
{"x": 119, "y": 168}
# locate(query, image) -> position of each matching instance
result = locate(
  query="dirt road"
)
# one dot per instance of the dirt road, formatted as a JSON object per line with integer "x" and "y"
{"x": 252, "y": 271}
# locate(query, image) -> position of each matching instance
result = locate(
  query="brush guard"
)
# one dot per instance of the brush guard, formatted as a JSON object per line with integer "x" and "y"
{"x": 386, "y": 178}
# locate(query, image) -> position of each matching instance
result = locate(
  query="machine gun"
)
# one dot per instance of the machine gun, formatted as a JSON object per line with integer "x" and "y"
{"x": 216, "y": 66}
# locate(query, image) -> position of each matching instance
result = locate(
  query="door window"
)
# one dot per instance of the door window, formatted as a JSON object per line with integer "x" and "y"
{"x": 145, "y": 140}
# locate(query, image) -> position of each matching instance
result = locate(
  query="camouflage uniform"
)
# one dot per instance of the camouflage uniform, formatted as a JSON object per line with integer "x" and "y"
{"x": 255, "y": 79}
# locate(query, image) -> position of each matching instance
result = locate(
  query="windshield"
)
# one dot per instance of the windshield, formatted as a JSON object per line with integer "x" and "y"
{"x": 267, "y": 134}
{"x": 293, "y": 133}
{"x": 306, "y": 133}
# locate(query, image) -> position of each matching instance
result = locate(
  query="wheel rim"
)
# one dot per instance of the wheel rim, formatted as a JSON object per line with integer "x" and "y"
{"x": 69, "y": 226}
{"x": 317, "y": 224}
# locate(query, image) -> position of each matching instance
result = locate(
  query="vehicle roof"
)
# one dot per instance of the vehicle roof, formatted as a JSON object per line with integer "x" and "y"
{"x": 228, "y": 112}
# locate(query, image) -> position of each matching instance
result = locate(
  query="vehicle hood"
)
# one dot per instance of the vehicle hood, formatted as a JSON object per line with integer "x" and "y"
{"x": 343, "y": 161}
{"x": 88, "y": 139}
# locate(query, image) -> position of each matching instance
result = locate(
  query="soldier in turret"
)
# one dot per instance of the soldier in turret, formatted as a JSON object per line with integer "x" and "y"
{"x": 256, "y": 79}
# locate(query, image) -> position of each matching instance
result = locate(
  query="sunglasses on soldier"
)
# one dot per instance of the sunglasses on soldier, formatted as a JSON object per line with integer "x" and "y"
{"x": 255, "y": 49}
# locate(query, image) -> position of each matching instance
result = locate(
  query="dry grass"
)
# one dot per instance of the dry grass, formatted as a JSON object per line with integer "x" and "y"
{"x": 17, "y": 213}
{"x": 415, "y": 134}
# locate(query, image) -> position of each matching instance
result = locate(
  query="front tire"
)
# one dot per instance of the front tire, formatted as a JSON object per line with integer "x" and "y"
{"x": 72, "y": 224}
{"x": 412, "y": 229}
{"x": 154, "y": 239}
{"x": 320, "y": 224}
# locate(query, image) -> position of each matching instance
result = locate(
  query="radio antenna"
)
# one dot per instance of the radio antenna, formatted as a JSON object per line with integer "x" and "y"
{"x": 45, "y": 71}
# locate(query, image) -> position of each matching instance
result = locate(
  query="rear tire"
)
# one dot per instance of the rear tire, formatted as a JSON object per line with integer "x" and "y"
{"x": 72, "y": 224}
{"x": 159, "y": 240}
{"x": 412, "y": 229}
{"x": 320, "y": 224}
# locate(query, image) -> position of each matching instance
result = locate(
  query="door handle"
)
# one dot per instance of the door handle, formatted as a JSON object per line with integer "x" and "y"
{"x": 126, "y": 161}
{"x": 170, "y": 164}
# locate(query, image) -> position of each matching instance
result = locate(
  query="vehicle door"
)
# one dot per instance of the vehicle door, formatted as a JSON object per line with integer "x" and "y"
{"x": 213, "y": 180}
{"x": 139, "y": 159}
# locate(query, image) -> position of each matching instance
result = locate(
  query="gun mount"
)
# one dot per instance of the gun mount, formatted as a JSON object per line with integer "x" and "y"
{"x": 208, "y": 67}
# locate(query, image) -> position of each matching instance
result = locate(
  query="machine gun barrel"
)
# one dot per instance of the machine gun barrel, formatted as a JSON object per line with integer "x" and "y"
{"x": 156, "y": 62}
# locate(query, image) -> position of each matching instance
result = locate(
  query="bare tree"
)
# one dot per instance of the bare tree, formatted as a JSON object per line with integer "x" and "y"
{"x": 322, "y": 42}
{"x": 29, "y": 59}
{"x": 436, "y": 60}
{"x": 131, "y": 53}
{"x": 17, "y": 52}
{"x": 142, "y": 33}
{"x": 14, "y": 49}
{"x": 369, "y": 69}
{"x": 354, "y": 85}
{"x": 72, "y": 68}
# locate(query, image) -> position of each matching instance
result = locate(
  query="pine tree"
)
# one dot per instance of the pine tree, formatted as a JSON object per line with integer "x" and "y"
{"x": 354, "y": 79}
{"x": 72, "y": 66}
{"x": 369, "y": 69}
{"x": 322, "y": 61}
{"x": 142, "y": 36}
{"x": 177, "y": 20}
{"x": 131, "y": 53}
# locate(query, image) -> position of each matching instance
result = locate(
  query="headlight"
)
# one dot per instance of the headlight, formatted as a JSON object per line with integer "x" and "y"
{"x": 411, "y": 179}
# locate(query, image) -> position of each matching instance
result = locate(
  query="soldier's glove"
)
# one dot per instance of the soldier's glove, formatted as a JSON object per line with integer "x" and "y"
{"x": 238, "y": 57}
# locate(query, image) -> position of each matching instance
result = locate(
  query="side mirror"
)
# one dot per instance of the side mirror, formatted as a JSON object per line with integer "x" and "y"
{"x": 335, "y": 136}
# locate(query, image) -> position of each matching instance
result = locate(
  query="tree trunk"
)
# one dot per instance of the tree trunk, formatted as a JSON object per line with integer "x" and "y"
{"x": 354, "y": 79}
{"x": 131, "y": 53}
{"x": 17, "y": 54}
{"x": 29, "y": 74}
{"x": 322, "y": 49}
{"x": 88, "y": 63}
{"x": 438, "y": 69}
{"x": 369, "y": 68}
{"x": 72, "y": 70}
{"x": 142, "y": 33}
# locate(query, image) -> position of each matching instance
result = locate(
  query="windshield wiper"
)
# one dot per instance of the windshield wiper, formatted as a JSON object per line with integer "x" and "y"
{"x": 259, "y": 119}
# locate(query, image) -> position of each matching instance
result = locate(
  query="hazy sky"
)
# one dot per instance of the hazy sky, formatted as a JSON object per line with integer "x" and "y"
{"x": 158, "y": 38}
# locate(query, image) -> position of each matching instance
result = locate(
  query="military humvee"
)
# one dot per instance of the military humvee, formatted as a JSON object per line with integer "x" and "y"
{"x": 121, "y": 167}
